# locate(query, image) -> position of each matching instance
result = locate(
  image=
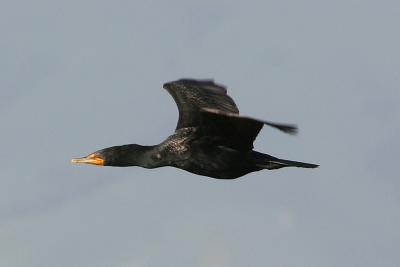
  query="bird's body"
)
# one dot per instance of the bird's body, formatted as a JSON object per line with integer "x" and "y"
{"x": 211, "y": 138}
{"x": 190, "y": 151}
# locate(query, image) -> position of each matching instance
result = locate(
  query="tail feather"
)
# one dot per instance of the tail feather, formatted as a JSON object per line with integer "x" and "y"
{"x": 269, "y": 162}
{"x": 280, "y": 163}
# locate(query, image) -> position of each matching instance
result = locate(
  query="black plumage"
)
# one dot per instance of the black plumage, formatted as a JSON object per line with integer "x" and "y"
{"x": 210, "y": 139}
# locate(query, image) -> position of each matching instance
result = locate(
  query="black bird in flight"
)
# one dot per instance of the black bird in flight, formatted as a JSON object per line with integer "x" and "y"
{"x": 211, "y": 138}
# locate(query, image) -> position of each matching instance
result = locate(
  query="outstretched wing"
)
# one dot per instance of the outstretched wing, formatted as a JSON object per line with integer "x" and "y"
{"x": 191, "y": 96}
{"x": 205, "y": 104}
{"x": 236, "y": 131}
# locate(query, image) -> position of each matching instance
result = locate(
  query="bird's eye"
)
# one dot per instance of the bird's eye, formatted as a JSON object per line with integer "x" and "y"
{"x": 156, "y": 156}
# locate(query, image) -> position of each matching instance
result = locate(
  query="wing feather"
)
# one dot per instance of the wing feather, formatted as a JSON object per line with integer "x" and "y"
{"x": 191, "y": 96}
{"x": 239, "y": 132}
{"x": 206, "y": 105}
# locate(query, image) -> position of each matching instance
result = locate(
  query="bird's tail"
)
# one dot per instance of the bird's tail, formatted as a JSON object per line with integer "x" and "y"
{"x": 265, "y": 161}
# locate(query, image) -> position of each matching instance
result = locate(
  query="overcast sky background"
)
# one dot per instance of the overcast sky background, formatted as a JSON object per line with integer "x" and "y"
{"x": 77, "y": 76}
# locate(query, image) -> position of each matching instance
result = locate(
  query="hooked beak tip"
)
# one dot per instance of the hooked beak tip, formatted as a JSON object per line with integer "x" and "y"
{"x": 93, "y": 159}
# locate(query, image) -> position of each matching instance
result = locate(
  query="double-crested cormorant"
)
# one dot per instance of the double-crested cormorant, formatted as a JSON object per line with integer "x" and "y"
{"x": 211, "y": 138}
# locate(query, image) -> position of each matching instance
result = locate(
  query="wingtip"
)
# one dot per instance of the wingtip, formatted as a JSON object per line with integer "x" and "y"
{"x": 166, "y": 85}
{"x": 208, "y": 83}
{"x": 290, "y": 129}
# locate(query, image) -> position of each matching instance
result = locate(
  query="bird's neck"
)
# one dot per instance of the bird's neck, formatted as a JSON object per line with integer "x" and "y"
{"x": 134, "y": 155}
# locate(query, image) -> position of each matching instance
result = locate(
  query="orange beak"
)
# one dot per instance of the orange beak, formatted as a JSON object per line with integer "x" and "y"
{"x": 93, "y": 158}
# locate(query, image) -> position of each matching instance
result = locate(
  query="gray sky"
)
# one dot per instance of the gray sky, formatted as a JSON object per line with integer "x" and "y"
{"x": 77, "y": 76}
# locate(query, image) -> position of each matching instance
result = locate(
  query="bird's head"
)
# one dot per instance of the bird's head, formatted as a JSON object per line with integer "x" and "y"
{"x": 126, "y": 155}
